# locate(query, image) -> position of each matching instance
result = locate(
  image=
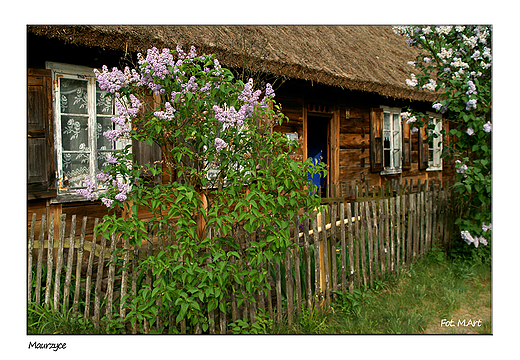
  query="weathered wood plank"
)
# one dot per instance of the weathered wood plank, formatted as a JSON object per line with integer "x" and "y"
{"x": 398, "y": 232}
{"x": 362, "y": 242}
{"x": 135, "y": 267}
{"x": 269, "y": 296}
{"x": 403, "y": 229}
{"x": 295, "y": 252}
{"x": 99, "y": 281}
{"x": 279, "y": 308}
{"x": 307, "y": 263}
{"x": 357, "y": 248}
{"x": 334, "y": 240}
{"x": 416, "y": 226}
{"x": 317, "y": 275}
{"x": 428, "y": 200}
{"x": 410, "y": 229}
{"x": 350, "y": 233}
{"x": 376, "y": 239}
{"x": 124, "y": 279}
{"x": 111, "y": 276}
{"x": 88, "y": 284}
{"x": 421, "y": 218}
{"x": 435, "y": 210}
{"x": 70, "y": 259}
{"x": 79, "y": 263}
{"x": 388, "y": 266}
{"x": 392, "y": 232}
{"x": 59, "y": 262}
{"x": 370, "y": 244}
{"x": 324, "y": 252}
{"x": 39, "y": 264}
{"x": 148, "y": 273}
{"x": 50, "y": 257}
{"x": 30, "y": 258}
{"x": 289, "y": 287}
{"x": 382, "y": 228}
{"x": 343, "y": 247}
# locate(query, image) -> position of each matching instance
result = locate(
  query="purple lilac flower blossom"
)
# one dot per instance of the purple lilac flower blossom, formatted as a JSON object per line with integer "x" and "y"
{"x": 168, "y": 114}
{"x": 103, "y": 176}
{"x": 220, "y": 144}
{"x": 113, "y": 81}
{"x": 107, "y": 202}
{"x": 88, "y": 192}
{"x": 487, "y": 127}
{"x": 470, "y": 131}
{"x": 437, "y": 106}
{"x": 193, "y": 53}
{"x": 111, "y": 159}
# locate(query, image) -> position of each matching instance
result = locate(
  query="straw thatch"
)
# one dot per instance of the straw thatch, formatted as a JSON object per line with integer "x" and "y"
{"x": 366, "y": 58}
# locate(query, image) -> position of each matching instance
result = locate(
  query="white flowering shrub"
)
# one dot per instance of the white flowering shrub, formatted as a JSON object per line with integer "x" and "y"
{"x": 456, "y": 62}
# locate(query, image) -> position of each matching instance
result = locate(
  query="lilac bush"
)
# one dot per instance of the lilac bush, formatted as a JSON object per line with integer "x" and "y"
{"x": 222, "y": 167}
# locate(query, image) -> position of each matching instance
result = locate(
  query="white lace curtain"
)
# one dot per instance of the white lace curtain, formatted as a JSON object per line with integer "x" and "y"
{"x": 75, "y": 111}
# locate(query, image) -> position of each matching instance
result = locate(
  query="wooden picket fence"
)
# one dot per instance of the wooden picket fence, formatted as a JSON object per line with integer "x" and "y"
{"x": 343, "y": 246}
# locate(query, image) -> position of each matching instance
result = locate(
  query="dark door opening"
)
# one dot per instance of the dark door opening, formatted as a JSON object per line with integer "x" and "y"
{"x": 318, "y": 145}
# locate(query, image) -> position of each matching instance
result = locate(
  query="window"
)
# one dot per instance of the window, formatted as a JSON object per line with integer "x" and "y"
{"x": 82, "y": 112}
{"x": 434, "y": 142}
{"x": 391, "y": 140}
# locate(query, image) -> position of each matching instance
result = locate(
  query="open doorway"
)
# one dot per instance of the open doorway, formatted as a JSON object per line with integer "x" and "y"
{"x": 318, "y": 145}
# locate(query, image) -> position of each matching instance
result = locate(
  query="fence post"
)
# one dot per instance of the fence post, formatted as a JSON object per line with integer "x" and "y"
{"x": 70, "y": 260}
{"x": 29, "y": 257}
{"x": 343, "y": 247}
{"x": 50, "y": 256}
{"x": 307, "y": 257}
{"x": 370, "y": 243}
{"x": 317, "y": 275}
{"x": 79, "y": 262}
{"x": 59, "y": 261}
{"x": 39, "y": 266}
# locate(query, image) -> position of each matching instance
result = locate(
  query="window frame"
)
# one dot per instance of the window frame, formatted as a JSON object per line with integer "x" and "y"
{"x": 392, "y": 169}
{"x": 60, "y": 70}
{"x": 436, "y": 163}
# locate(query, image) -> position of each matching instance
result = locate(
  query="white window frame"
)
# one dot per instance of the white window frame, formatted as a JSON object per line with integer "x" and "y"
{"x": 87, "y": 73}
{"x": 393, "y": 169}
{"x": 436, "y": 163}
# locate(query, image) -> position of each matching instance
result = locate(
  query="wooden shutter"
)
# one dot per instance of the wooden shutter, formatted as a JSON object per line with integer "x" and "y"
{"x": 423, "y": 146}
{"x": 376, "y": 139}
{"x": 407, "y": 147}
{"x": 41, "y": 170}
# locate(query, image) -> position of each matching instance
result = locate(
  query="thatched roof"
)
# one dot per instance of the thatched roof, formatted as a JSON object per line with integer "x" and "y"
{"x": 366, "y": 58}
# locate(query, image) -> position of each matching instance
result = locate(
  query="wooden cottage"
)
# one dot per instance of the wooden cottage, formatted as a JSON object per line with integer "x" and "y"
{"x": 342, "y": 88}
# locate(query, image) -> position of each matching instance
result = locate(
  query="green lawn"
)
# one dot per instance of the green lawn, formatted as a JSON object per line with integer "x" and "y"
{"x": 416, "y": 302}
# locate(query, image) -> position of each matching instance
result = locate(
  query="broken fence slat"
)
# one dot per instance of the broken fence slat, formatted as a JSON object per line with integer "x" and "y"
{"x": 328, "y": 226}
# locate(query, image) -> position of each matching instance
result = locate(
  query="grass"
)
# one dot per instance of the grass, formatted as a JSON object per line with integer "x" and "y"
{"x": 415, "y": 302}
{"x": 43, "y": 320}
